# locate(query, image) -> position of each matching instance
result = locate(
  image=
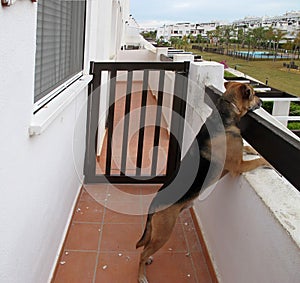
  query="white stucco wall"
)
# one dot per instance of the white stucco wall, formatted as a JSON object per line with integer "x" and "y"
{"x": 251, "y": 228}
{"x": 41, "y": 174}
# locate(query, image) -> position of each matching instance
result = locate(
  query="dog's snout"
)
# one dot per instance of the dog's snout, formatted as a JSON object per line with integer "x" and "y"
{"x": 257, "y": 105}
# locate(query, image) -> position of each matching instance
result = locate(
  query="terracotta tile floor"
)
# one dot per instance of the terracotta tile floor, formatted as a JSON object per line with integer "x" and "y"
{"x": 100, "y": 245}
{"x": 108, "y": 221}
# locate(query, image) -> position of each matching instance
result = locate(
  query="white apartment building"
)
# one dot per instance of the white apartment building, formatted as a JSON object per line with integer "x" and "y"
{"x": 289, "y": 22}
{"x": 184, "y": 29}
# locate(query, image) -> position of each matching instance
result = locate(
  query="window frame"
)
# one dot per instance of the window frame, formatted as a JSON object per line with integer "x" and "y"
{"x": 55, "y": 92}
{"x": 71, "y": 77}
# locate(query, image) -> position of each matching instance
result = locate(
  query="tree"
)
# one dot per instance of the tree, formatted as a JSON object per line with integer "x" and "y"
{"x": 226, "y": 34}
{"x": 199, "y": 38}
{"x": 258, "y": 37}
{"x": 215, "y": 35}
{"x": 297, "y": 44}
{"x": 270, "y": 37}
{"x": 241, "y": 37}
{"x": 149, "y": 34}
{"x": 279, "y": 35}
{"x": 249, "y": 41}
{"x": 175, "y": 41}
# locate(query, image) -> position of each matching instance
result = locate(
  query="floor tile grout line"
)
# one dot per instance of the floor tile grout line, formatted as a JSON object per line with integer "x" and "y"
{"x": 80, "y": 251}
{"x": 99, "y": 240}
{"x": 87, "y": 222}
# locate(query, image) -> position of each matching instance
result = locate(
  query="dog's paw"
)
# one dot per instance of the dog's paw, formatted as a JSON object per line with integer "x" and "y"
{"x": 249, "y": 150}
{"x": 265, "y": 164}
{"x": 149, "y": 261}
{"x": 143, "y": 279}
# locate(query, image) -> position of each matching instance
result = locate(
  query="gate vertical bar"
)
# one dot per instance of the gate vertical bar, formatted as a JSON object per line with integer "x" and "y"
{"x": 92, "y": 122}
{"x": 158, "y": 122}
{"x": 110, "y": 122}
{"x": 177, "y": 121}
{"x": 142, "y": 124}
{"x": 126, "y": 123}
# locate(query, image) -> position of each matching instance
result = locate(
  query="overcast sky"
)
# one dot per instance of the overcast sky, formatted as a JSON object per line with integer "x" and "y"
{"x": 159, "y": 12}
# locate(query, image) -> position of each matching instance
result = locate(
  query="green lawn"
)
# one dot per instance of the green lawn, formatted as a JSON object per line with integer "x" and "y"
{"x": 277, "y": 76}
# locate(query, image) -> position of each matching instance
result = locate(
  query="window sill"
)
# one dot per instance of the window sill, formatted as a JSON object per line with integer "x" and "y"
{"x": 45, "y": 116}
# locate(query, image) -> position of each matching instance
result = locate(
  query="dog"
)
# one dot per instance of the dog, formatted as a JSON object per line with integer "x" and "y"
{"x": 203, "y": 165}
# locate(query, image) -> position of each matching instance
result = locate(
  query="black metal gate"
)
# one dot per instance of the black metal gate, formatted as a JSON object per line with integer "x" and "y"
{"x": 109, "y": 74}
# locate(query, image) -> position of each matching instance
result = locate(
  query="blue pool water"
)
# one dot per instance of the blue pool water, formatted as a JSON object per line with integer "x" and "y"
{"x": 260, "y": 54}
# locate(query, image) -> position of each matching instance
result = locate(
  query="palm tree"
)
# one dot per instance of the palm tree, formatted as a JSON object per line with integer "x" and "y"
{"x": 175, "y": 41}
{"x": 216, "y": 34}
{"x": 227, "y": 33}
{"x": 297, "y": 45}
{"x": 249, "y": 41}
{"x": 270, "y": 37}
{"x": 241, "y": 36}
{"x": 279, "y": 35}
{"x": 199, "y": 38}
{"x": 259, "y": 36}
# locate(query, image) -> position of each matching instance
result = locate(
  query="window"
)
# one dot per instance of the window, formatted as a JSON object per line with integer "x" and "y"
{"x": 60, "y": 47}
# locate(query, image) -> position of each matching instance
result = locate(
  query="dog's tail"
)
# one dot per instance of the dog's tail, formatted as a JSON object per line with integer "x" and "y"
{"x": 147, "y": 233}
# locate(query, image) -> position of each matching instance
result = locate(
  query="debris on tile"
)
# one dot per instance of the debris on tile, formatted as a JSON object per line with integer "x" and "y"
{"x": 66, "y": 253}
{"x": 188, "y": 254}
{"x": 87, "y": 207}
{"x": 62, "y": 262}
{"x": 104, "y": 267}
{"x": 186, "y": 224}
{"x": 189, "y": 275}
{"x": 78, "y": 209}
{"x": 170, "y": 249}
{"x": 119, "y": 254}
{"x": 128, "y": 258}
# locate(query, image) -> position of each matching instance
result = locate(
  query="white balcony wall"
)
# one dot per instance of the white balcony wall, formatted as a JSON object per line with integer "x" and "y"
{"x": 41, "y": 175}
{"x": 251, "y": 228}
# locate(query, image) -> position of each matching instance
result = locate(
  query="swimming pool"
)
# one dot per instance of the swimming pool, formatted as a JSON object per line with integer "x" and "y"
{"x": 258, "y": 54}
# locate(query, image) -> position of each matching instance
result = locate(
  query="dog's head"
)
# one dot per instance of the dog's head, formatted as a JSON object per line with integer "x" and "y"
{"x": 242, "y": 96}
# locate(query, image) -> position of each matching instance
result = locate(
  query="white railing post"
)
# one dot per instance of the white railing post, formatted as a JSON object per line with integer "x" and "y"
{"x": 281, "y": 108}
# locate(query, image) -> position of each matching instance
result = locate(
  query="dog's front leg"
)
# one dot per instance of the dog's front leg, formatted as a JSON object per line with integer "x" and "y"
{"x": 249, "y": 150}
{"x": 248, "y": 165}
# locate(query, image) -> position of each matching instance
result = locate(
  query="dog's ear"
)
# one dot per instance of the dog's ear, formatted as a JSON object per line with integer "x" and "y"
{"x": 226, "y": 84}
{"x": 246, "y": 91}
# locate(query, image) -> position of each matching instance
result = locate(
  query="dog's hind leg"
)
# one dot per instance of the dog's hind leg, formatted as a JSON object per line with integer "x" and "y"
{"x": 147, "y": 233}
{"x": 162, "y": 224}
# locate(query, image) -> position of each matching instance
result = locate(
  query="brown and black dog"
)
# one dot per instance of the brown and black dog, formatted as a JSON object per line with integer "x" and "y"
{"x": 216, "y": 150}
